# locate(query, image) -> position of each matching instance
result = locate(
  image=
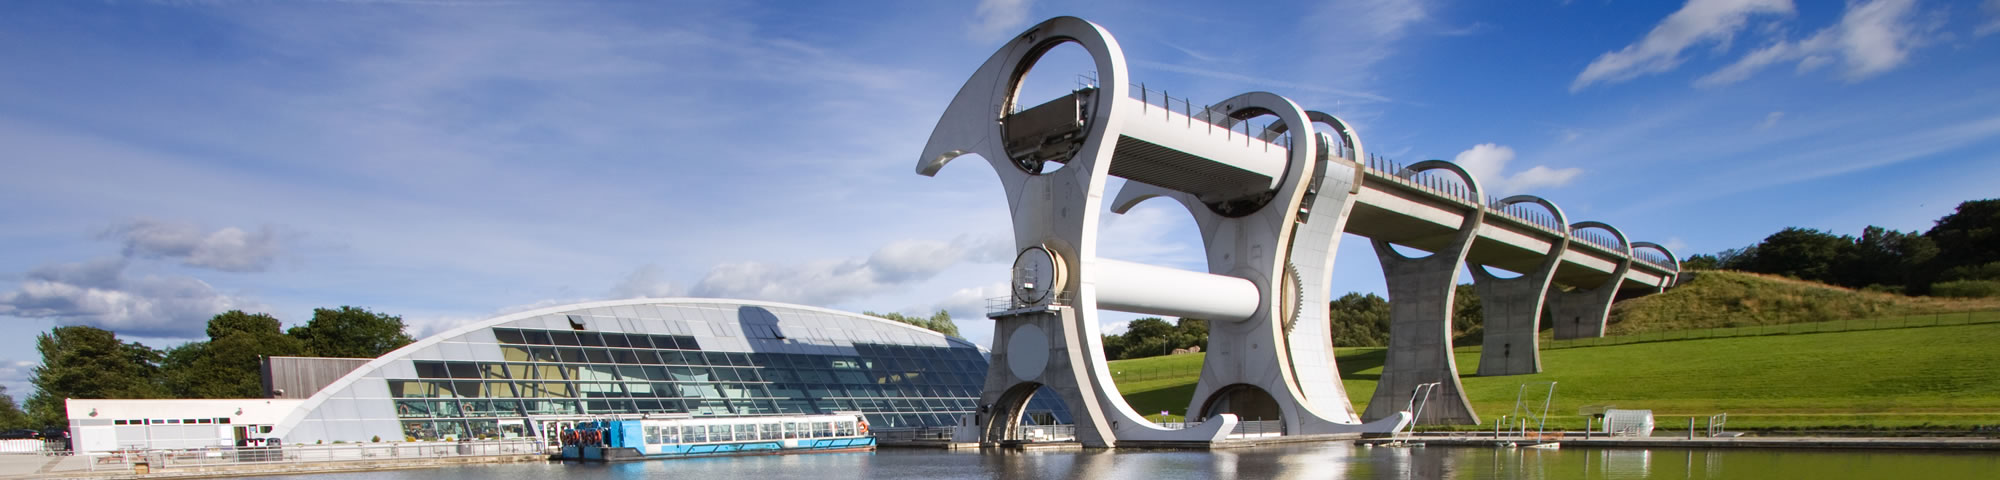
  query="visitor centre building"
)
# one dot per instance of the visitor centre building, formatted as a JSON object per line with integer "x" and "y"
{"x": 523, "y": 374}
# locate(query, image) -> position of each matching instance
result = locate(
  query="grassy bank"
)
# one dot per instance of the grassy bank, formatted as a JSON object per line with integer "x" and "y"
{"x": 1726, "y": 299}
{"x": 1935, "y": 377}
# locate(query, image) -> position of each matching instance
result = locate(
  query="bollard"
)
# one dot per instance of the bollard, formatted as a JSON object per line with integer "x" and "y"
{"x": 1690, "y": 428}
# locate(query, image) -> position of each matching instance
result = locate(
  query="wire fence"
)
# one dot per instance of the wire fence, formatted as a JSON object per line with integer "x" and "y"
{"x": 1847, "y": 325}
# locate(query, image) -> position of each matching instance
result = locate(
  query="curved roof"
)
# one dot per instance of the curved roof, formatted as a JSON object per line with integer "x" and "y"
{"x": 408, "y": 352}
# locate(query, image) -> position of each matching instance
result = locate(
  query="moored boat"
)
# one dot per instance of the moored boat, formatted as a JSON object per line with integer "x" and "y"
{"x": 648, "y": 438}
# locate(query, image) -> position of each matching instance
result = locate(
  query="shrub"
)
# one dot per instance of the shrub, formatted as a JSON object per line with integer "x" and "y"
{"x": 376, "y": 439}
{"x": 1967, "y": 289}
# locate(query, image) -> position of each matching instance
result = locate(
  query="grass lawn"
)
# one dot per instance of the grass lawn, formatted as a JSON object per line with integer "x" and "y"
{"x": 1937, "y": 377}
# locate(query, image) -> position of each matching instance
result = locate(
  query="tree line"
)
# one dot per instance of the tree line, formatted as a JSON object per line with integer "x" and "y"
{"x": 1958, "y": 257}
{"x": 90, "y": 362}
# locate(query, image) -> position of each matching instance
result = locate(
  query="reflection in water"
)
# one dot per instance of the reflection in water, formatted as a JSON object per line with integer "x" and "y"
{"x": 1314, "y": 461}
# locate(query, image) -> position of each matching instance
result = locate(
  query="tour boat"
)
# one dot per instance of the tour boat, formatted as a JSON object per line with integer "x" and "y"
{"x": 649, "y": 438}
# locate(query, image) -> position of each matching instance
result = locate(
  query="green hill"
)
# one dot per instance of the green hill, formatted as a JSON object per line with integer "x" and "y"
{"x": 1935, "y": 377}
{"x": 1716, "y": 299}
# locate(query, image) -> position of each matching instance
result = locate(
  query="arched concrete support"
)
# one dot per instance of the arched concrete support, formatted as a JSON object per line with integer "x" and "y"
{"x": 1056, "y": 212}
{"x": 1257, "y": 351}
{"x": 1511, "y": 308}
{"x": 1323, "y": 218}
{"x": 1675, "y": 278}
{"x": 1420, "y": 306}
{"x": 1582, "y": 313}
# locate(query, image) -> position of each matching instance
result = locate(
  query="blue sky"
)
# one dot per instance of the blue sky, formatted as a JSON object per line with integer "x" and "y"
{"x": 448, "y": 161}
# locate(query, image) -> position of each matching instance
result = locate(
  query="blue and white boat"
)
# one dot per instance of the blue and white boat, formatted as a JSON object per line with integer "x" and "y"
{"x": 648, "y": 438}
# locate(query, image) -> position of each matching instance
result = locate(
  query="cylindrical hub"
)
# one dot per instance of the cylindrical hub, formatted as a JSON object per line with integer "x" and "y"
{"x": 1140, "y": 288}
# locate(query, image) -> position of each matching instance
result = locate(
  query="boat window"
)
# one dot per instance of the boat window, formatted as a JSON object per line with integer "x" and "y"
{"x": 694, "y": 434}
{"x": 670, "y": 434}
{"x": 746, "y": 431}
{"x": 791, "y": 430}
{"x": 846, "y": 429}
{"x": 771, "y": 431}
{"x": 652, "y": 435}
{"x": 718, "y": 433}
{"x": 825, "y": 428}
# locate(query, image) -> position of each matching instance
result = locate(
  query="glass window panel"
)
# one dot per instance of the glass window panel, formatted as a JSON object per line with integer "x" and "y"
{"x": 649, "y": 406}
{"x": 719, "y": 433}
{"x": 570, "y": 355}
{"x": 410, "y": 389}
{"x": 770, "y": 431}
{"x": 725, "y": 374}
{"x": 745, "y": 431}
{"x": 413, "y": 408}
{"x": 493, "y": 371}
{"x": 545, "y": 354}
{"x": 633, "y": 373}
{"x": 590, "y": 339}
{"x": 432, "y": 370}
{"x": 600, "y": 389}
{"x": 715, "y": 358}
{"x": 508, "y": 335}
{"x": 451, "y": 430}
{"x": 639, "y": 389}
{"x": 520, "y": 372}
{"x": 616, "y": 340}
{"x": 444, "y": 408}
{"x": 627, "y": 357}
{"x": 564, "y": 338}
{"x": 476, "y": 408}
{"x": 597, "y": 406}
{"x": 466, "y": 389}
{"x": 597, "y": 355}
{"x": 639, "y": 341}
{"x": 739, "y": 359}
{"x": 694, "y": 434}
{"x": 687, "y": 342}
{"x": 648, "y": 357}
{"x": 514, "y": 353}
{"x": 538, "y": 337}
{"x": 498, "y": 390}
{"x": 654, "y": 373}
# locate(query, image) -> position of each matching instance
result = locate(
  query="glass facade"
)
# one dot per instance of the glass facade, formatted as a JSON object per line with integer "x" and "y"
{"x": 572, "y": 373}
{"x": 517, "y": 374}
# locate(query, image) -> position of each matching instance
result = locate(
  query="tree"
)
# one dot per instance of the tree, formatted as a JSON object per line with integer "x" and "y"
{"x": 1970, "y": 235}
{"x": 1359, "y": 320}
{"x": 351, "y": 333}
{"x": 11, "y": 416}
{"x": 1467, "y": 319}
{"x": 1152, "y": 336}
{"x": 938, "y": 322}
{"x": 229, "y": 364}
{"x": 88, "y": 362}
{"x": 1801, "y": 253}
{"x": 1701, "y": 261}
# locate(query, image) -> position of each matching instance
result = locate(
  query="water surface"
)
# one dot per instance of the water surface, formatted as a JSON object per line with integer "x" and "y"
{"x": 1315, "y": 461}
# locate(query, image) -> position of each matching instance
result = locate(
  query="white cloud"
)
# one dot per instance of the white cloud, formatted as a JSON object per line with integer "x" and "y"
{"x": 830, "y": 281}
{"x": 1871, "y": 38}
{"x": 1697, "y": 22}
{"x": 99, "y": 293}
{"x": 229, "y": 249}
{"x": 647, "y": 281}
{"x": 1487, "y": 162}
{"x": 1992, "y": 9}
{"x": 996, "y": 19}
{"x": 1770, "y": 120}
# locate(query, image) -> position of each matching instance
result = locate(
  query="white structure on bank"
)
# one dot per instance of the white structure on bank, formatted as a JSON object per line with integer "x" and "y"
{"x": 108, "y": 425}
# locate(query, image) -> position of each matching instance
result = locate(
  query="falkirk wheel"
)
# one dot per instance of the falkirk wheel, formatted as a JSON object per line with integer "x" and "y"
{"x": 1271, "y": 206}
